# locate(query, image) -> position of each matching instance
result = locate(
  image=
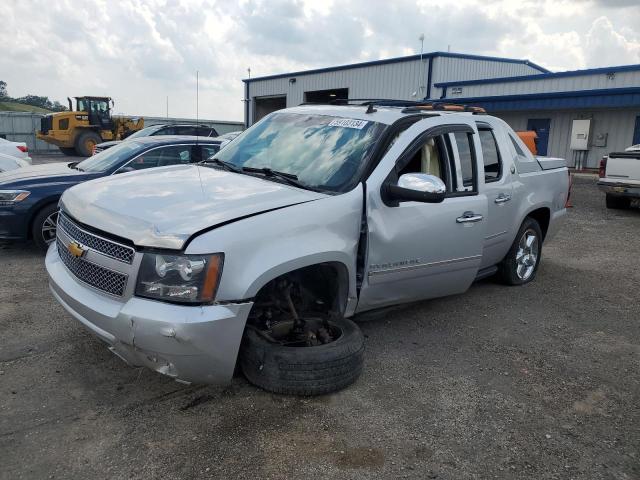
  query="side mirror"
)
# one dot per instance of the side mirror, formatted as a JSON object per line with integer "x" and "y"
{"x": 417, "y": 187}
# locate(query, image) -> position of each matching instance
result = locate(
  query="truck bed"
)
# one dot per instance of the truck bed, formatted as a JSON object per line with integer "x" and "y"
{"x": 550, "y": 163}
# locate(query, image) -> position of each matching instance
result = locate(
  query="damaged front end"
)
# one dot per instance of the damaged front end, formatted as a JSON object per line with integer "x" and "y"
{"x": 190, "y": 344}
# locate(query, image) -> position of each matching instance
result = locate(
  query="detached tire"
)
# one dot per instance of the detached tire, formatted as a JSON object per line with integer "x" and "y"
{"x": 520, "y": 266}
{"x": 619, "y": 203}
{"x": 86, "y": 141}
{"x": 303, "y": 370}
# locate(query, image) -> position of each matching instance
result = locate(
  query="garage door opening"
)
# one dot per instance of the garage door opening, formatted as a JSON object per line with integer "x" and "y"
{"x": 265, "y": 105}
{"x": 326, "y": 96}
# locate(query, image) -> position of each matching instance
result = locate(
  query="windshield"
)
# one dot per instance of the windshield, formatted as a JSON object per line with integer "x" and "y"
{"x": 112, "y": 157}
{"x": 145, "y": 132}
{"x": 321, "y": 151}
{"x": 92, "y": 105}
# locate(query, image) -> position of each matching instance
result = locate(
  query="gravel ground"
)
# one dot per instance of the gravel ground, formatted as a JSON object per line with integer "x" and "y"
{"x": 533, "y": 382}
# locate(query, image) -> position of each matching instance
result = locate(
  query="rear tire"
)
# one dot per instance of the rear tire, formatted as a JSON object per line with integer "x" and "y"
{"x": 86, "y": 141}
{"x": 619, "y": 203}
{"x": 303, "y": 370}
{"x": 69, "y": 151}
{"x": 520, "y": 266}
{"x": 44, "y": 227}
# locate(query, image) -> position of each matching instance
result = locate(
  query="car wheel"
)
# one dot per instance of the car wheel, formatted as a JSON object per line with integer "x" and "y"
{"x": 303, "y": 370}
{"x": 616, "y": 202}
{"x": 44, "y": 227}
{"x": 521, "y": 263}
{"x": 70, "y": 152}
{"x": 86, "y": 141}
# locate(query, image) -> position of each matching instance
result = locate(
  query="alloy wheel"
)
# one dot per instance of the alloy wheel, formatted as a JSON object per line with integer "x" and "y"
{"x": 49, "y": 227}
{"x": 527, "y": 255}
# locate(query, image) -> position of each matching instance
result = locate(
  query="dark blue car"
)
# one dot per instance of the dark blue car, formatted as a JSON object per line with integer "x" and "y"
{"x": 29, "y": 196}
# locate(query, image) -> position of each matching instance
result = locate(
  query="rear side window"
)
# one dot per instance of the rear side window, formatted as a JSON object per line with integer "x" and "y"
{"x": 463, "y": 141}
{"x": 490, "y": 155}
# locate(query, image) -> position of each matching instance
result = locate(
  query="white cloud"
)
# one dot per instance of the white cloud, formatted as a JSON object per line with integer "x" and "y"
{"x": 141, "y": 51}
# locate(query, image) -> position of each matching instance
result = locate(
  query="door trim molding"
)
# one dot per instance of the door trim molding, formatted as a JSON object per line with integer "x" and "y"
{"x": 417, "y": 266}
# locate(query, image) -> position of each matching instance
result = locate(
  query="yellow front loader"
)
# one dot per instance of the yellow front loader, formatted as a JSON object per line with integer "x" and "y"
{"x": 77, "y": 131}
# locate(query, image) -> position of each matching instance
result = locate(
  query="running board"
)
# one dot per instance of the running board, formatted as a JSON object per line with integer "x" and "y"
{"x": 486, "y": 272}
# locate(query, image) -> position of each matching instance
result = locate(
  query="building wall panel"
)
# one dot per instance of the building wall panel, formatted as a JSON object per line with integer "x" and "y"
{"x": 564, "y": 84}
{"x": 393, "y": 80}
{"x": 618, "y": 124}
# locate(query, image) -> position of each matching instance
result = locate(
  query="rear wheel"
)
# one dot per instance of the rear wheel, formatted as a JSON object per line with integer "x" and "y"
{"x": 86, "y": 141}
{"x": 616, "y": 202}
{"x": 44, "y": 227}
{"x": 69, "y": 151}
{"x": 521, "y": 263}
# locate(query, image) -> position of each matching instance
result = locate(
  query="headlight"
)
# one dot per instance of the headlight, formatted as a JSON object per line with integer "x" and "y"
{"x": 180, "y": 278}
{"x": 8, "y": 197}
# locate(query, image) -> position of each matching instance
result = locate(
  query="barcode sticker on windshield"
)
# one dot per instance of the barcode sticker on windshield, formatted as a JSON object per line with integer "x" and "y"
{"x": 348, "y": 123}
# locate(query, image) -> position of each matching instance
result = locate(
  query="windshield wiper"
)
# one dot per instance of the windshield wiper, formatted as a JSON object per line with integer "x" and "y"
{"x": 221, "y": 163}
{"x": 290, "y": 178}
{"x": 74, "y": 165}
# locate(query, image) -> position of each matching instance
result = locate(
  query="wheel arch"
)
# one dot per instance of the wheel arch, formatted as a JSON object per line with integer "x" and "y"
{"x": 542, "y": 215}
{"x": 309, "y": 270}
{"x": 36, "y": 209}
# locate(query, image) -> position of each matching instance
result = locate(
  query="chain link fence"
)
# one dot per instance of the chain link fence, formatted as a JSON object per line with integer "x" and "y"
{"x": 22, "y": 127}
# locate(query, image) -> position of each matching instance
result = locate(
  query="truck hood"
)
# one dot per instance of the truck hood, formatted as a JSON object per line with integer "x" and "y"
{"x": 164, "y": 207}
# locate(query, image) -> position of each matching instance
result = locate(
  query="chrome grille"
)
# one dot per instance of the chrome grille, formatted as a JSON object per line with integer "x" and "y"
{"x": 92, "y": 274}
{"x": 99, "y": 244}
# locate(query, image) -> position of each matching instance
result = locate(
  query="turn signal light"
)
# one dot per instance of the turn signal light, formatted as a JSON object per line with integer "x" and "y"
{"x": 23, "y": 149}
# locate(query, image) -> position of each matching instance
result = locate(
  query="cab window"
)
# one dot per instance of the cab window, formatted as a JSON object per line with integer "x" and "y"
{"x": 490, "y": 155}
{"x": 464, "y": 144}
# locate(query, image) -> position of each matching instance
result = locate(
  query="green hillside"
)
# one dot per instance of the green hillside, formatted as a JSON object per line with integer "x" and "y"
{"x": 21, "y": 107}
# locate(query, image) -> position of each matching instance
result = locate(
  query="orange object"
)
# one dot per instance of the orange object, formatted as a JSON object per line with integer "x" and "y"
{"x": 529, "y": 137}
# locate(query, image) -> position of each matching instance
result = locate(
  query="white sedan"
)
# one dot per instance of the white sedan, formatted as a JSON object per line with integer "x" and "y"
{"x": 7, "y": 162}
{"x": 15, "y": 149}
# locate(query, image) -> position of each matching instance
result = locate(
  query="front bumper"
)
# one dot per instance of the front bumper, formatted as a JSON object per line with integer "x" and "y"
{"x": 620, "y": 189}
{"x": 196, "y": 344}
{"x": 13, "y": 222}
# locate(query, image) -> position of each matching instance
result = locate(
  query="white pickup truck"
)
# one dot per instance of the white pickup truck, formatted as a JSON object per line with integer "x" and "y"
{"x": 262, "y": 254}
{"x": 620, "y": 177}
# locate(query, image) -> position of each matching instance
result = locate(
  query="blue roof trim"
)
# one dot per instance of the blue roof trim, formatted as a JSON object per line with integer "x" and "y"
{"x": 543, "y": 76}
{"x": 601, "y": 98}
{"x": 397, "y": 60}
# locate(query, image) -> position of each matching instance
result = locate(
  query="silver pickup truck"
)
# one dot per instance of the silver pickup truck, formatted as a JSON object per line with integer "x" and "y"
{"x": 260, "y": 256}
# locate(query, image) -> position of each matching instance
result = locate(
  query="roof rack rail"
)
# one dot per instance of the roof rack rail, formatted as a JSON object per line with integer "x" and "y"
{"x": 410, "y": 106}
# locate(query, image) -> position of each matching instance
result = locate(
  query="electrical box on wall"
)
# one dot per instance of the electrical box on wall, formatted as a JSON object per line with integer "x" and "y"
{"x": 580, "y": 134}
{"x": 600, "y": 140}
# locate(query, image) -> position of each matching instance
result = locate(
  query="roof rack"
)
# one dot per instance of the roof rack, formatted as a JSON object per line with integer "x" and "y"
{"x": 410, "y": 106}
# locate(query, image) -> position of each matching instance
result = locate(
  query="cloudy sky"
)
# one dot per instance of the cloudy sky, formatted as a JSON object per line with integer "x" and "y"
{"x": 141, "y": 51}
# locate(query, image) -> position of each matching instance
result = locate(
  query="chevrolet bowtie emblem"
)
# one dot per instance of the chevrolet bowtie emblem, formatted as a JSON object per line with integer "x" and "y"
{"x": 76, "y": 249}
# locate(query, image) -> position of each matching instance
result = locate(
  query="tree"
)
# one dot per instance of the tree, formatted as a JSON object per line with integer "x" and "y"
{"x": 3, "y": 89}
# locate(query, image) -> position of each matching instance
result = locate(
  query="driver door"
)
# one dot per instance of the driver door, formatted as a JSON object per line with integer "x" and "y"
{"x": 420, "y": 250}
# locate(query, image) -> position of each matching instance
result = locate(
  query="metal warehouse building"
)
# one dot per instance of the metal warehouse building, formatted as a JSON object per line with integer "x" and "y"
{"x": 578, "y": 115}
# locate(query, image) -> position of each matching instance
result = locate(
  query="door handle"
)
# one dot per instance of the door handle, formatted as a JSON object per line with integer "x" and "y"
{"x": 469, "y": 217}
{"x": 502, "y": 198}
